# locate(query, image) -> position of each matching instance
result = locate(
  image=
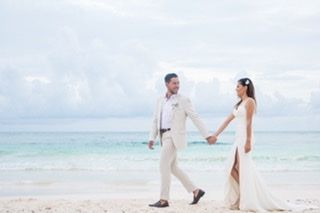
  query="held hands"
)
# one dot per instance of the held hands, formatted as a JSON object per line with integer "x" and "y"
{"x": 150, "y": 144}
{"x": 212, "y": 139}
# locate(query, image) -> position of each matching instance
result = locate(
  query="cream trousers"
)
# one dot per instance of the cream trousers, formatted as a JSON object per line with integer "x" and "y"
{"x": 169, "y": 165}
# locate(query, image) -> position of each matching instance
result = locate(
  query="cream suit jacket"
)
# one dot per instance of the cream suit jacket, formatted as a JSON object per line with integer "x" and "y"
{"x": 182, "y": 108}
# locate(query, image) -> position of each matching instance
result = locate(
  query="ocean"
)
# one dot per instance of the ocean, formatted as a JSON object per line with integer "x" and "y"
{"x": 53, "y": 163}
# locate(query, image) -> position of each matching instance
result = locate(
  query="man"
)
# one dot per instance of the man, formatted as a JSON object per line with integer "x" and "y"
{"x": 169, "y": 123}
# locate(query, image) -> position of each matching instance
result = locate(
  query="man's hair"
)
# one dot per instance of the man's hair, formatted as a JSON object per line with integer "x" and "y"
{"x": 169, "y": 76}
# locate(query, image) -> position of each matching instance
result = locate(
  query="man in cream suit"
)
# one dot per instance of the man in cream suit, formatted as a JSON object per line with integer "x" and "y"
{"x": 169, "y": 123}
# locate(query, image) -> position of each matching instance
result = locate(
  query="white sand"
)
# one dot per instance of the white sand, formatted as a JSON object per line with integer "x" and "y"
{"x": 118, "y": 200}
{"x": 114, "y": 206}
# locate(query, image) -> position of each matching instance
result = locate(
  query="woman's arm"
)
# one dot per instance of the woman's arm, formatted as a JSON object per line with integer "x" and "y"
{"x": 250, "y": 106}
{"x": 224, "y": 125}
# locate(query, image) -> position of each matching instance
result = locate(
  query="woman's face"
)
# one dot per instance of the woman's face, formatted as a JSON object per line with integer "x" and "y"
{"x": 241, "y": 90}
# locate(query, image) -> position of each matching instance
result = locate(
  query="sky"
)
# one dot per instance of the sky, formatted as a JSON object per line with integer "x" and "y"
{"x": 98, "y": 65}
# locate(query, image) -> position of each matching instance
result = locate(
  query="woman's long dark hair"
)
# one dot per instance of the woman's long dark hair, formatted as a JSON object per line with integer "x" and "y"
{"x": 246, "y": 82}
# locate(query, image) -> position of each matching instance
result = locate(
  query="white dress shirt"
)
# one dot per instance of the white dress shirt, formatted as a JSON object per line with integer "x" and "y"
{"x": 166, "y": 112}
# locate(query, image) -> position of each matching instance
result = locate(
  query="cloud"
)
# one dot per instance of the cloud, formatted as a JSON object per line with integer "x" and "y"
{"x": 314, "y": 103}
{"x": 81, "y": 81}
{"x": 102, "y": 59}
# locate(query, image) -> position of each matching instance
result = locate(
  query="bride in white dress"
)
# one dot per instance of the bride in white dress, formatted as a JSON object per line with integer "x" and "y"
{"x": 245, "y": 189}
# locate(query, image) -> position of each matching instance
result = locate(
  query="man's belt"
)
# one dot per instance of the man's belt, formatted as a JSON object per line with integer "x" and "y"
{"x": 164, "y": 130}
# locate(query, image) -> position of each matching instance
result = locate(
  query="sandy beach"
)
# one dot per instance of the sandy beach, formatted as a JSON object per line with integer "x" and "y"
{"x": 115, "y": 206}
{"x": 122, "y": 202}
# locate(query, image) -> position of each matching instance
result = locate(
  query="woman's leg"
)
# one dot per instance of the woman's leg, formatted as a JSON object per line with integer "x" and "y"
{"x": 235, "y": 168}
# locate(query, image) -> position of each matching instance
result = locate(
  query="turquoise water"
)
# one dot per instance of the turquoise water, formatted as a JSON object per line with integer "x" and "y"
{"x": 46, "y": 158}
{"x": 128, "y": 151}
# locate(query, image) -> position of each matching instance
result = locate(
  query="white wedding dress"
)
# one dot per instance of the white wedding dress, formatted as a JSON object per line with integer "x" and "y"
{"x": 251, "y": 194}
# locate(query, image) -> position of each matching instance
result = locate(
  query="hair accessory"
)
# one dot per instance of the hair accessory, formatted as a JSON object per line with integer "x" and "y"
{"x": 247, "y": 82}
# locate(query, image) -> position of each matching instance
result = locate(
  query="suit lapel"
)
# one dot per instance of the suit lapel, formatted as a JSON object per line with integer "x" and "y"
{"x": 175, "y": 105}
{"x": 160, "y": 111}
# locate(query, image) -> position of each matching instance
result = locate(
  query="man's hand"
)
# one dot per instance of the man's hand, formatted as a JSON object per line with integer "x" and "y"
{"x": 150, "y": 144}
{"x": 212, "y": 139}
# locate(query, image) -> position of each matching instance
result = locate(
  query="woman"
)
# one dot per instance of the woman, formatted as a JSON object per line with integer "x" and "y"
{"x": 245, "y": 190}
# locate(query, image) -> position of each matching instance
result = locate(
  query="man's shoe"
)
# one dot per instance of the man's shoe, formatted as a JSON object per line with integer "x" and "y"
{"x": 198, "y": 197}
{"x": 160, "y": 204}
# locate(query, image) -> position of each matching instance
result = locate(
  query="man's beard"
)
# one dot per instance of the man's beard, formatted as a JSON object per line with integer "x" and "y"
{"x": 174, "y": 91}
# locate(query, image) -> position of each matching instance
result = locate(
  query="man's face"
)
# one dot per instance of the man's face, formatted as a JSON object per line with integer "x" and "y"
{"x": 173, "y": 85}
